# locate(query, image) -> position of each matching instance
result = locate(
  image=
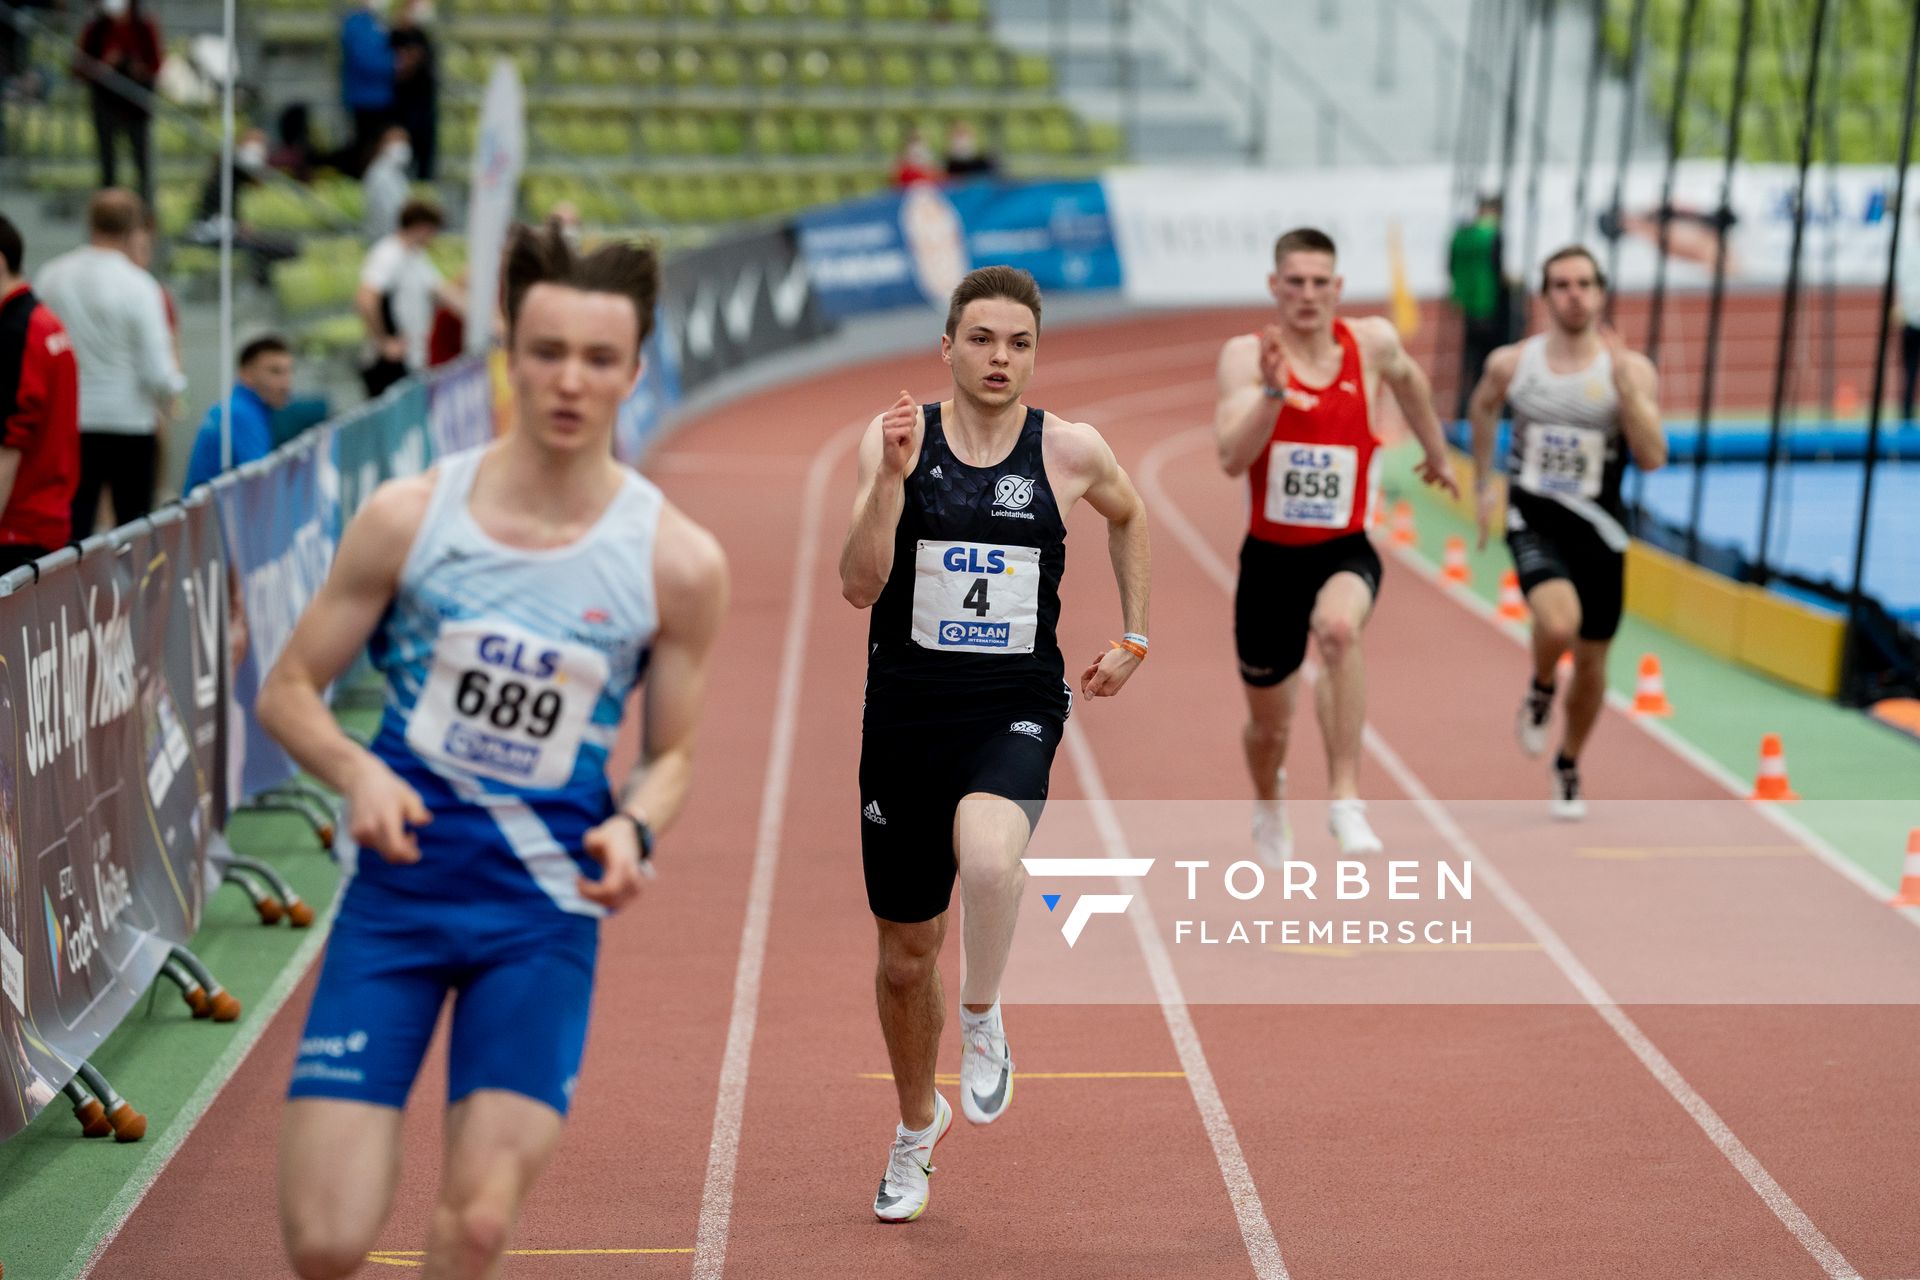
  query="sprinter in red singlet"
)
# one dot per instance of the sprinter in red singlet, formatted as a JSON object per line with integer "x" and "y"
{"x": 1295, "y": 415}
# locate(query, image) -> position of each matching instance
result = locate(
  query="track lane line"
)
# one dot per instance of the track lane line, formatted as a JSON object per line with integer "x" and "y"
{"x": 723, "y": 1152}
{"x": 1262, "y": 1249}
{"x": 1763, "y": 1184}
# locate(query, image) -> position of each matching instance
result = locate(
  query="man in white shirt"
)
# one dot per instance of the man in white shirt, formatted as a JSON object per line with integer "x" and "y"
{"x": 399, "y": 286}
{"x": 130, "y": 381}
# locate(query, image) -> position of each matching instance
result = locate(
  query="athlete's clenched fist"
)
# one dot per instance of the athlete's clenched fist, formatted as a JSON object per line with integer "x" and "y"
{"x": 899, "y": 436}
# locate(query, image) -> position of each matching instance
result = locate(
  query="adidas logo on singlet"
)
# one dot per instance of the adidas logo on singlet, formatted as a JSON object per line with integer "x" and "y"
{"x": 935, "y": 473}
{"x": 872, "y": 813}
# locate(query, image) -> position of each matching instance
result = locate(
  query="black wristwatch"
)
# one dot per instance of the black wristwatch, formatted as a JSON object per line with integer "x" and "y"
{"x": 644, "y": 832}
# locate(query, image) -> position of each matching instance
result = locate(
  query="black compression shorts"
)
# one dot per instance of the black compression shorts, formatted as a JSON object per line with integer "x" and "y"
{"x": 1273, "y": 603}
{"x": 912, "y": 778}
{"x": 1548, "y": 542}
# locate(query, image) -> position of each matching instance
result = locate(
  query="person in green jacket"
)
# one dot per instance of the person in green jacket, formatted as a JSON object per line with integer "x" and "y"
{"x": 1479, "y": 290}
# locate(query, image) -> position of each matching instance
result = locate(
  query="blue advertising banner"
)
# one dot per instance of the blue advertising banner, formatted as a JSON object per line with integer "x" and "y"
{"x": 912, "y": 247}
{"x": 281, "y": 517}
{"x": 460, "y": 407}
{"x": 645, "y": 411}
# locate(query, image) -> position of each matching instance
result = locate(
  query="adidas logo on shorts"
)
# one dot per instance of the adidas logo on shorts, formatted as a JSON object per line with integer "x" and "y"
{"x": 1027, "y": 727}
{"x": 872, "y": 813}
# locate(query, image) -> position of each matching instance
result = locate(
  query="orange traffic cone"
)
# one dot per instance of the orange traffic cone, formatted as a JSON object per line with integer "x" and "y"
{"x": 1909, "y": 895}
{"x": 1513, "y": 605}
{"x": 1376, "y": 513}
{"x": 1454, "y": 567}
{"x": 1403, "y": 531}
{"x": 1771, "y": 782}
{"x": 1650, "y": 696}
{"x": 1564, "y": 668}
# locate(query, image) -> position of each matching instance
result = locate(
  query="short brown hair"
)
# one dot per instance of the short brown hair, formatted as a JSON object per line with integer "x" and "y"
{"x": 1303, "y": 240}
{"x": 114, "y": 213}
{"x": 416, "y": 213}
{"x": 1010, "y": 283}
{"x": 626, "y": 268}
{"x": 1573, "y": 251}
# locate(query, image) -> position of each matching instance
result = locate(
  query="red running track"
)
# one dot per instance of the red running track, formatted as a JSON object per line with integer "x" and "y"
{"x": 1745, "y": 1110}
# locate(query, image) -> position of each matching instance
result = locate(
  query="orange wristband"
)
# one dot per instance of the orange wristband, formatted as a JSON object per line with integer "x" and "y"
{"x": 1132, "y": 648}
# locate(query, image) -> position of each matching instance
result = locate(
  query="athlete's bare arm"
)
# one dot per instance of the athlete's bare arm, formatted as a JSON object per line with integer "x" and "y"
{"x": 1638, "y": 386}
{"x": 1085, "y": 467}
{"x": 690, "y": 581}
{"x": 888, "y": 451}
{"x": 1250, "y": 366}
{"x": 1381, "y": 349}
{"x": 1483, "y": 413}
{"x": 333, "y": 630}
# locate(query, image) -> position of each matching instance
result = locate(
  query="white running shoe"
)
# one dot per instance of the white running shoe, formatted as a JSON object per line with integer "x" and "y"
{"x": 1347, "y": 819}
{"x": 1530, "y": 724}
{"x": 1272, "y": 833}
{"x": 903, "y": 1188}
{"x": 1568, "y": 804}
{"x": 986, "y": 1071}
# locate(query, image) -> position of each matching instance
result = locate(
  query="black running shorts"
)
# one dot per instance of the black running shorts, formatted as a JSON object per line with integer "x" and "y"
{"x": 1548, "y": 541}
{"x": 912, "y": 778}
{"x": 1273, "y": 603}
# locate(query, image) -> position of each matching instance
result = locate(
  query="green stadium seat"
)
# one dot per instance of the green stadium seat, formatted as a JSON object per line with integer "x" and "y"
{"x": 853, "y": 69}
{"x": 727, "y": 136}
{"x": 1032, "y": 71}
{"x": 770, "y": 137}
{"x": 942, "y": 71}
{"x": 986, "y": 69}
{"x": 725, "y": 69}
{"x": 897, "y": 70}
{"x": 689, "y": 68}
{"x": 770, "y": 67}
{"x": 813, "y": 68}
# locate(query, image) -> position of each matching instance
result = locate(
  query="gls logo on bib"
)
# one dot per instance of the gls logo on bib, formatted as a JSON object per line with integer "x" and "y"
{"x": 1011, "y": 497}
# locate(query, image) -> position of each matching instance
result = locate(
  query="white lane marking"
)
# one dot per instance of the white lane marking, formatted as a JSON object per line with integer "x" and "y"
{"x": 1717, "y": 1131}
{"x": 723, "y": 1152}
{"x": 1262, "y": 1249}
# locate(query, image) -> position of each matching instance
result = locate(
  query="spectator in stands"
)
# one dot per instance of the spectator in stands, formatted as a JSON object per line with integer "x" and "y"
{"x": 263, "y": 248}
{"x": 116, "y": 319}
{"x": 416, "y": 83}
{"x": 385, "y": 186}
{"x": 366, "y": 77}
{"x": 1909, "y": 304}
{"x": 39, "y": 417}
{"x": 917, "y": 162}
{"x": 127, "y": 43}
{"x": 262, "y": 388}
{"x": 966, "y": 158}
{"x": 295, "y": 156}
{"x": 1475, "y": 260}
{"x": 399, "y": 286}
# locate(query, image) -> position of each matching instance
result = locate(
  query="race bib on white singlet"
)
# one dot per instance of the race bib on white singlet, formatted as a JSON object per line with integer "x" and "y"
{"x": 503, "y": 703}
{"x": 1311, "y": 485}
{"x": 975, "y": 597}
{"x": 1563, "y": 461}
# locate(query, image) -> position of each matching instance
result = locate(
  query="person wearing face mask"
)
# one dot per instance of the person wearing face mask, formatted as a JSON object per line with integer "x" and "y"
{"x": 966, "y": 159}
{"x": 416, "y": 86}
{"x": 120, "y": 55}
{"x": 385, "y": 185}
{"x": 249, "y": 167}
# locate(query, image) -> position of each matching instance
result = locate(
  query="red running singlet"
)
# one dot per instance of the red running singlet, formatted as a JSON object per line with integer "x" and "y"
{"x": 1314, "y": 480}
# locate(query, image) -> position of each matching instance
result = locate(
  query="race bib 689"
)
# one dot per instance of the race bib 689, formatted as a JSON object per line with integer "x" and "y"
{"x": 504, "y": 703}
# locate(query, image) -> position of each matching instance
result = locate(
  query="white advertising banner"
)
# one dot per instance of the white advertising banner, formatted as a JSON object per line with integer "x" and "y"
{"x": 499, "y": 154}
{"x": 1198, "y": 237}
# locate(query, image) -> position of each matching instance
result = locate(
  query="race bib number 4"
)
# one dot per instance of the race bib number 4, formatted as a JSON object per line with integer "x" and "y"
{"x": 503, "y": 703}
{"x": 975, "y": 597}
{"x": 1311, "y": 484}
{"x": 1563, "y": 461}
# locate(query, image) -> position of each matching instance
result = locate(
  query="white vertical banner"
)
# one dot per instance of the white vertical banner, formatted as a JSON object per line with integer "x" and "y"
{"x": 499, "y": 154}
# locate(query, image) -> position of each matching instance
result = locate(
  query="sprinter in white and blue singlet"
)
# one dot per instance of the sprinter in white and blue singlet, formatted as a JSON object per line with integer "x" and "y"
{"x": 512, "y": 597}
{"x": 958, "y": 543}
{"x": 1581, "y": 404}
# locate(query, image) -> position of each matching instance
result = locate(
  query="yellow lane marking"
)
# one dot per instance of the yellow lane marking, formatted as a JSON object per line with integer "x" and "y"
{"x": 1619, "y": 854}
{"x": 944, "y": 1078}
{"x": 405, "y": 1257}
{"x": 1338, "y": 951}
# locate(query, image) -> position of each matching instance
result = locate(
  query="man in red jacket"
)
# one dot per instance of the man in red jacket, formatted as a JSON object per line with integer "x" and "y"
{"x": 39, "y": 418}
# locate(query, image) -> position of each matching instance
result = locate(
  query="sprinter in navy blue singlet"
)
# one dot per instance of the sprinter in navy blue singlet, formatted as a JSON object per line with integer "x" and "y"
{"x": 958, "y": 543}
